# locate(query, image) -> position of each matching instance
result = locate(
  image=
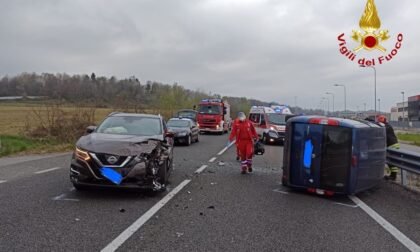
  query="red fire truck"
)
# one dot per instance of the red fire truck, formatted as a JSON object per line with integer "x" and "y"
{"x": 214, "y": 116}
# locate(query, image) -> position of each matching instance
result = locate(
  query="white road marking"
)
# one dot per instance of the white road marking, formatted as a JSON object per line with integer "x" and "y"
{"x": 346, "y": 205}
{"x": 63, "y": 197}
{"x": 225, "y": 149}
{"x": 201, "y": 169}
{"x": 48, "y": 170}
{"x": 3, "y": 181}
{"x": 126, "y": 234}
{"x": 412, "y": 246}
{"x": 212, "y": 159}
{"x": 280, "y": 191}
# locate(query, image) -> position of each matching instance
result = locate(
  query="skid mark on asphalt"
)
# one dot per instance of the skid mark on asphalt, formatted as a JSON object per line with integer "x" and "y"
{"x": 346, "y": 205}
{"x": 279, "y": 190}
{"x": 63, "y": 198}
{"x": 47, "y": 170}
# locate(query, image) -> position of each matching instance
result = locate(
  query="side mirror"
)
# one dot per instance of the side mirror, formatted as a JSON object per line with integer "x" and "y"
{"x": 90, "y": 129}
{"x": 169, "y": 134}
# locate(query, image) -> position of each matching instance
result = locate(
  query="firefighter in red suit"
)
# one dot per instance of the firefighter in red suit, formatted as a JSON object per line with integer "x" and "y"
{"x": 245, "y": 134}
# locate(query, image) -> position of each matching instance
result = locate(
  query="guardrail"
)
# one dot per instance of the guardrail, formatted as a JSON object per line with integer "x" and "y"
{"x": 405, "y": 160}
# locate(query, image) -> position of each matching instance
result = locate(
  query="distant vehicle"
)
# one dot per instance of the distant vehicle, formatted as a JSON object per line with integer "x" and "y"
{"x": 214, "y": 116}
{"x": 270, "y": 126}
{"x": 282, "y": 109}
{"x": 184, "y": 129}
{"x": 126, "y": 150}
{"x": 187, "y": 113}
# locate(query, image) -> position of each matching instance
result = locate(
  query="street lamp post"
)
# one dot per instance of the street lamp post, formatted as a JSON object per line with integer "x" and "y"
{"x": 374, "y": 70}
{"x": 329, "y": 93}
{"x": 403, "y": 106}
{"x": 345, "y": 95}
{"x": 379, "y": 105}
{"x": 328, "y": 104}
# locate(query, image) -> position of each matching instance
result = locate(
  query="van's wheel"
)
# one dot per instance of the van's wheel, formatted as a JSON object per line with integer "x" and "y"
{"x": 189, "y": 140}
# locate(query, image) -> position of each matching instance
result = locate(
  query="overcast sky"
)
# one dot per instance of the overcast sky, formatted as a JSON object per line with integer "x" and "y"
{"x": 271, "y": 50}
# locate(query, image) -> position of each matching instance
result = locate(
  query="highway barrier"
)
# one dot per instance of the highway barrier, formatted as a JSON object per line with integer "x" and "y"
{"x": 407, "y": 161}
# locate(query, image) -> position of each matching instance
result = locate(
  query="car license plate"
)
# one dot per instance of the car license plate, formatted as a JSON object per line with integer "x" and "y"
{"x": 111, "y": 175}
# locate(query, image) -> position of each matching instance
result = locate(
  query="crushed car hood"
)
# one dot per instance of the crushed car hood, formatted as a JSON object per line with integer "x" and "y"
{"x": 121, "y": 145}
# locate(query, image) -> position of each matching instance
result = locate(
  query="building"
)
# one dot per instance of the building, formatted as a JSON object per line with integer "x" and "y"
{"x": 414, "y": 108}
{"x": 399, "y": 112}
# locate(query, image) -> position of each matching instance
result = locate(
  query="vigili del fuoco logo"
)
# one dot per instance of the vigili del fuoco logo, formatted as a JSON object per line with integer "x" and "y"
{"x": 370, "y": 39}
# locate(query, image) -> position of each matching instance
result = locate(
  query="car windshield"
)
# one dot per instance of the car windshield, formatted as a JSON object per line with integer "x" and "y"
{"x": 210, "y": 109}
{"x": 131, "y": 125}
{"x": 178, "y": 123}
{"x": 277, "y": 119}
{"x": 187, "y": 114}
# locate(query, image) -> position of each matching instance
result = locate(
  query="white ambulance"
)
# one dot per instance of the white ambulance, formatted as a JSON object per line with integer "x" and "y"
{"x": 270, "y": 126}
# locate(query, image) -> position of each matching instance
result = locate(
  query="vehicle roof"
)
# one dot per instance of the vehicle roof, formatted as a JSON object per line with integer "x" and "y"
{"x": 261, "y": 109}
{"x": 134, "y": 115}
{"x": 342, "y": 121}
{"x": 181, "y": 119}
{"x": 189, "y": 110}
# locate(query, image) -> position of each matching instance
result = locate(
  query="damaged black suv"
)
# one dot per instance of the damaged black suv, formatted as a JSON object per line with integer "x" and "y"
{"x": 125, "y": 150}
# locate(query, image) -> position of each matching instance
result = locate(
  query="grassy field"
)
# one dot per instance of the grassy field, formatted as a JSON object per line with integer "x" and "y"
{"x": 17, "y": 144}
{"x": 409, "y": 137}
{"x": 16, "y": 115}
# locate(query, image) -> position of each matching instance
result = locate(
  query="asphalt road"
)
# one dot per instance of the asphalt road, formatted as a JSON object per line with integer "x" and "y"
{"x": 219, "y": 210}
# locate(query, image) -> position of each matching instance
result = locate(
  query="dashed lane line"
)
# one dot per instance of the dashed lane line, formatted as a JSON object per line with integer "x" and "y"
{"x": 48, "y": 170}
{"x": 201, "y": 169}
{"x": 402, "y": 238}
{"x": 212, "y": 159}
{"x": 126, "y": 234}
{"x": 3, "y": 181}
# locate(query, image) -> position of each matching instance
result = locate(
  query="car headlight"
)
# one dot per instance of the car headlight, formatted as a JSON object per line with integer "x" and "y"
{"x": 272, "y": 128}
{"x": 82, "y": 155}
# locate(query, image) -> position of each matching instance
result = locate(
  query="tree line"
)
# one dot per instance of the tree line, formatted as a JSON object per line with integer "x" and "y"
{"x": 100, "y": 91}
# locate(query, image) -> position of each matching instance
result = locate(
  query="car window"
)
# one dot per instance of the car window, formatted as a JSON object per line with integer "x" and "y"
{"x": 277, "y": 119}
{"x": 131, "y": 125}
{"x": 210, "y": 109}
{"x": 255, "y": 118}
{"x": 178, "y": 123}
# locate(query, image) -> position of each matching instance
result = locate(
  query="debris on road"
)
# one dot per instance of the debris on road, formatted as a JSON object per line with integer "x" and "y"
{"x": 211, "y": 207}
{"x": 221, "y": 163}
{"x": 210, "y": 171}
{"x": 122, "y": 210}
{"x": 179, "y": 234}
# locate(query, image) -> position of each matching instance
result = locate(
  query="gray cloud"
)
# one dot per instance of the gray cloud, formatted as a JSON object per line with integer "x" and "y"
{"x": 270, "y": 50}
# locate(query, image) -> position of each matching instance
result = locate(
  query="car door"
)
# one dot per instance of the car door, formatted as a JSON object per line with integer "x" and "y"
{"x": 194, "y": 130}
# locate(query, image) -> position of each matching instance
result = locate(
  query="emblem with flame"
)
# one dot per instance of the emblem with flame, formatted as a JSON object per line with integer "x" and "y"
{"x": 369, "y": 39}
{"x": 370, "y": 24}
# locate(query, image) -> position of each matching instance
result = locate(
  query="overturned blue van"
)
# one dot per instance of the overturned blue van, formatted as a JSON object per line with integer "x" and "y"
{"x": 333, "y": 155}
